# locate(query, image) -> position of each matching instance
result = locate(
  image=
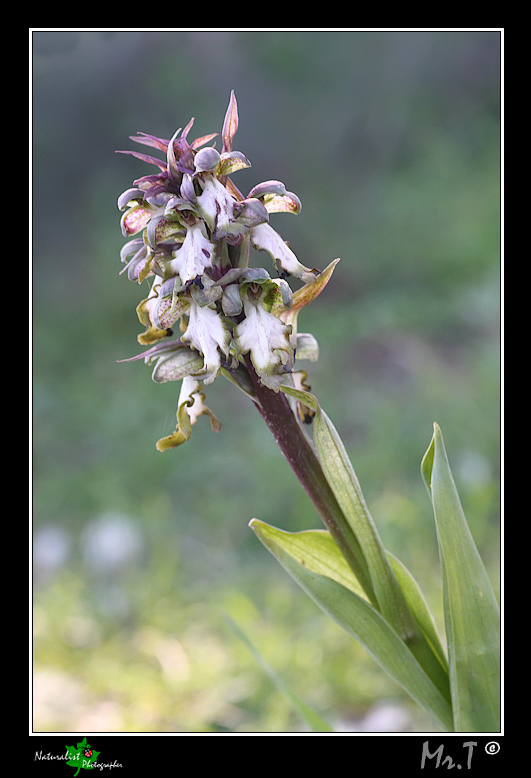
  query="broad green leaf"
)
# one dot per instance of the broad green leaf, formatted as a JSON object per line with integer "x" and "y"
{"x": 354, "y": 614}
{"x": 471, "y": 611}
{"x": 317, "y": 550}
{"x": 321, "y": 554}
{"x": 312, "y": 719}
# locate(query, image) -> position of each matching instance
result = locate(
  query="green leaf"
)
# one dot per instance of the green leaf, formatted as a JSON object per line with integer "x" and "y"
{"x": 471, "y": 611}
{"x": 419, "y": 608}
{"x": 312, "y": 719}
{"x": 319, "y": 569}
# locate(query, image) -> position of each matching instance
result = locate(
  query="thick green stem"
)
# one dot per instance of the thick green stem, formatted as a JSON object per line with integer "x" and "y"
{"x": 301, "y": 455}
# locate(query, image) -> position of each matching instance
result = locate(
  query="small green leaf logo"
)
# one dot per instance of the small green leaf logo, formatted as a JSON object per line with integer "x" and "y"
{"x": 82, "y": 756}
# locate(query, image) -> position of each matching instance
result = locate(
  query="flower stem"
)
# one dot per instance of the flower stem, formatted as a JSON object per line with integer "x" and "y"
{"x": 302, "y": 457}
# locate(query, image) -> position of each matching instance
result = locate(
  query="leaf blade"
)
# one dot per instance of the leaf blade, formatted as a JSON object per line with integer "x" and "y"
{"x": 419, "y": 608}
{"x": 358, "y": 618}
{"x": 471, "y": 611}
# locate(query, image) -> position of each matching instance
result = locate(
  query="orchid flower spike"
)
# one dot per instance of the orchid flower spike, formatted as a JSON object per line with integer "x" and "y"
{"x": 190, "y": 231}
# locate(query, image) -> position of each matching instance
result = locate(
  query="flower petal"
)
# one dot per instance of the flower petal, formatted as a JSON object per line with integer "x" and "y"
{"x": 137, "y": 263}
{"x": 208, "y": 335}
{"x": 264, "y": 238}
{"x": 267, "y": 187}
{"x": 206, "y": 159}
{"x": 146, "y": 158}
{"x": 198, "y": 142}
{"x": 131, "y": 247}
{"x": 165, "y": 230}
{"x": 307, "y": 347}
{"x": 251, "y": 212}
{"x": 155, "y": 351}
{"x": 231, "y": 300}
{"x": 134, "y": 220}
{"x": 130, "y": 195}
{"x": 150, "y": 140}
{"x": 287, "y": 203}
{"x": 147, "y": 315}
{"x": 275, "y": 197}
{"x": 230, "y": 123}
{"x": 266, "y": 338}
{"x": 168, "y": 310}
{"x": 231, "y": 161}
{"x": 190, "y": 407}
{"x": 195, "y": 254}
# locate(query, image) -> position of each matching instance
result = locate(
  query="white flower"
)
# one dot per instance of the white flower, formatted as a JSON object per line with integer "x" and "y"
{"x": 267, "y": 339}
{"x": 208, "y": 335}
{"x": 264, "y": 238}
{"x": 195, "y": 254}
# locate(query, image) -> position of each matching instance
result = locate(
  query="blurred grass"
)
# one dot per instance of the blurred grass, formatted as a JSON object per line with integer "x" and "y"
{"x": 391, "y": 140}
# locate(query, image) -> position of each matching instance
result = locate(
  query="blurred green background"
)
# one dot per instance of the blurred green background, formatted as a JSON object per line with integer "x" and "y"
{"x": 391, "y": 139}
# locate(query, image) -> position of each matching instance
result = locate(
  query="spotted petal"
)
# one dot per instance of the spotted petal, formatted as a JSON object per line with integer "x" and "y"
{"x": 134, "y": 220}
{"x": 276, "y": 198}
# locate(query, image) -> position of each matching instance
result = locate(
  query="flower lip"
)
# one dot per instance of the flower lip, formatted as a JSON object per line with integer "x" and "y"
{"x": 266, "y": 339}
{"x": 207, "y": 334}
{"x": 194, "y": 256}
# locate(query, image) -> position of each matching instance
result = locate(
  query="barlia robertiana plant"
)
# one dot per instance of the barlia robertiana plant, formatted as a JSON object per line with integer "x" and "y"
{"x": 209, "y": 313}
